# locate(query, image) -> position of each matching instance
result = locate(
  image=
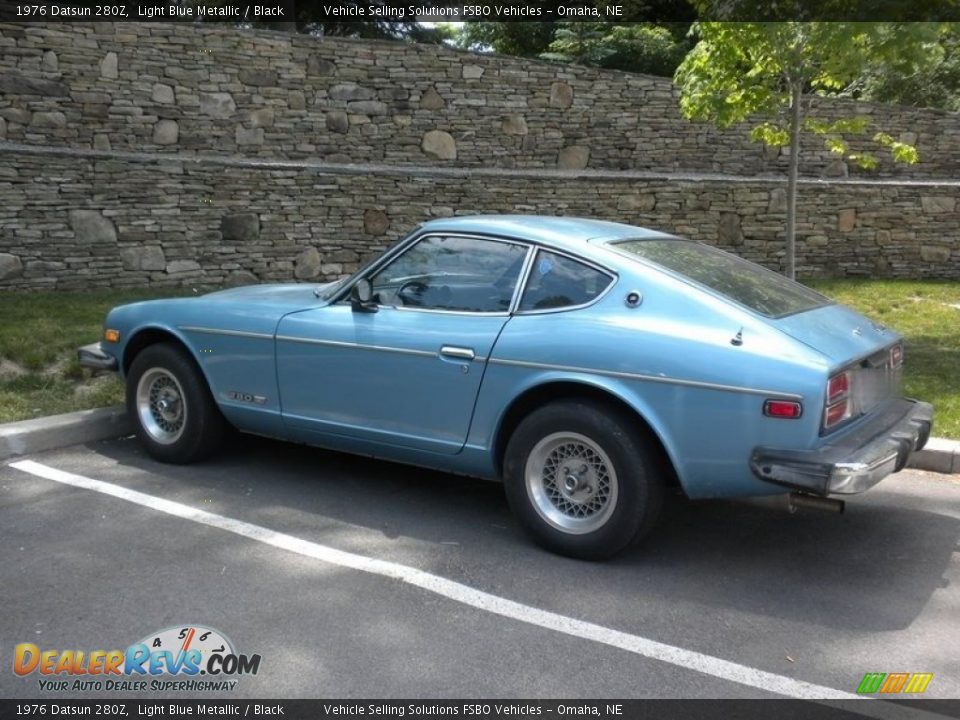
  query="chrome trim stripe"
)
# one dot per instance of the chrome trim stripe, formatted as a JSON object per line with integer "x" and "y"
{"x": 649, "y": 378}
{"x": 522, "y": 279}
{"x": 355, "y": 346}
{"x": 438, "y": 311}
{"x": 218, "y": 331}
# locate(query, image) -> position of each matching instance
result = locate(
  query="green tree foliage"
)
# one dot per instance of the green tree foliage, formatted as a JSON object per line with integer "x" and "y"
{"x": 371, "y": 30}
{"x": 768, "y": 73}
{"x": 526, "y": 39}
{"x": 306, "y": 12}
{"x": 828, "y": 10}
{"x": 635, "y": 47}
{"x": 651, "y": 48}
{"x": 934, "y": 84}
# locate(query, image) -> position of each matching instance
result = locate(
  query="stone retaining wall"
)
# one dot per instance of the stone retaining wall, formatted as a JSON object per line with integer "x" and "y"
{"x": 214, "y": 89}
{"x": 75, "y": 222}
{"x": 136, "y": 153}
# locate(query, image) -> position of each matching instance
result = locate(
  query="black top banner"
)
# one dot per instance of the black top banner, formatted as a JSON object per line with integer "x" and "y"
{"x": 304, "y": 12}
{"x": 482, "y": 709}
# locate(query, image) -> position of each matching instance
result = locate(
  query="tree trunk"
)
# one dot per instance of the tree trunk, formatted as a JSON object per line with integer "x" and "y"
{"x": 796, "y": 95}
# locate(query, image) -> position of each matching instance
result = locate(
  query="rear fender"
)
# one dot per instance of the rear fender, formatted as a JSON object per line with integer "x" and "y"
{"x": 597, "y": 387}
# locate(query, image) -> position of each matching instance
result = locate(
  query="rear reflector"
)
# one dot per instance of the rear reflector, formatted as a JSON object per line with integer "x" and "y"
{"x": 782, "y": 409}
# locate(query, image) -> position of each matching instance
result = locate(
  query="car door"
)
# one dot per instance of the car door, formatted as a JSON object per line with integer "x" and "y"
{"x": 407, "y": 374}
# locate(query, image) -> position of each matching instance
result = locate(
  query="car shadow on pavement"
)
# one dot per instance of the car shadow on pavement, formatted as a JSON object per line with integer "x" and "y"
{"x": 873, "y": 568}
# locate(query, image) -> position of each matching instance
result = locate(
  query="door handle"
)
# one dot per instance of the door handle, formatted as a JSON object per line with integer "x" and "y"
{"x": 460, "y": 353}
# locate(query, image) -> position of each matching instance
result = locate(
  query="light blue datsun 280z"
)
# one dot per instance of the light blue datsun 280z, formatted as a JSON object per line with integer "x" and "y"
{"x": 587, "y": 364}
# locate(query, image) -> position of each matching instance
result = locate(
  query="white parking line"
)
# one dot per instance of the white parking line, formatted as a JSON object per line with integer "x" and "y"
{"x": 687, "y": 659}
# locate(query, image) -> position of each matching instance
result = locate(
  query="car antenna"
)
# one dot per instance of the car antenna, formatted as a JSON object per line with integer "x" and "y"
{"x": 737, "y": 340}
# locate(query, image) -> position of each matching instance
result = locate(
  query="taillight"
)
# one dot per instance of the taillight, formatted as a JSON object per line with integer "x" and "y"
{"x": 838, "y": 405}
{"x": 837, "y": 387}
{"x": 836, "y": 413}
{"x": 782, "y": 409}
{"x": 896, "y": 356}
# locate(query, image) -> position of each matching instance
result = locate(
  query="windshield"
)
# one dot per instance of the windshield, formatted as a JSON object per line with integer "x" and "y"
{"x": 761, "y": 290}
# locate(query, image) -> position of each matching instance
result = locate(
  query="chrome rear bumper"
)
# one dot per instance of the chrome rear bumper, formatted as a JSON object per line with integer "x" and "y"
{"x": 857, "y": 460}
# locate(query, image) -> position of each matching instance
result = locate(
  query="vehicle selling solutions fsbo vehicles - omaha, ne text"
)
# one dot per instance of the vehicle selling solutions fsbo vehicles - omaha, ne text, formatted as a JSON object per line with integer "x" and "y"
{"x": 587, "y": 364}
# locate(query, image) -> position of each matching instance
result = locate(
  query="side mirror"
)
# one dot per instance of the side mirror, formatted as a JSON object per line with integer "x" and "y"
{"x": 361, "y": 297}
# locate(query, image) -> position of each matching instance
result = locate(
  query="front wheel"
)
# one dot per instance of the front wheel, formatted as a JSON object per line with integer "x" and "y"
{"x": 176, "y": 419}
{"x": 582, "y": 480}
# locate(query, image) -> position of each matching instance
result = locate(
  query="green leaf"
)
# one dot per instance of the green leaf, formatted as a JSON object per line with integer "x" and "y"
{"x": 904, "y": 153}
{"x": 770, "y": 134}
{"x": 856, "y": 125}
{"x": 816, "y": 125}
{"x": 836, "y": 146}
{"x": 882, "y": 138}
{"x": 864, "y": 160}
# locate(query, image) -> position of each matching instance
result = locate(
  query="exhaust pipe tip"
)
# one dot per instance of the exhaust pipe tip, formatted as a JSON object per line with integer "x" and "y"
{"x": 815, "y": 502}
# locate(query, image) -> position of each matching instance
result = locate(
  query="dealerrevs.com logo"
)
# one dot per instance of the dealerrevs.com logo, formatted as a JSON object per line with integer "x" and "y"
{"x": 189, "y": 658}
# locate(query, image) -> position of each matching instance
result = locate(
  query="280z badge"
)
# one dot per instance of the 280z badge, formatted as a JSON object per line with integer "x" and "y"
{"x": 153, "y": 663}
{"x": 245, "y": 397}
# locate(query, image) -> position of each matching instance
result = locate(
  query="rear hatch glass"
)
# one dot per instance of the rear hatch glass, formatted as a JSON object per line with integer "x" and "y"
{"x": 850, "y": 341}
{"x": 763, "y": 291}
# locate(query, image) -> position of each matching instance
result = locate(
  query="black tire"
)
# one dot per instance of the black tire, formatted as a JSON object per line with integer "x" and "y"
{"x": 575, "y": 440}
{"x": 168, "y": 399}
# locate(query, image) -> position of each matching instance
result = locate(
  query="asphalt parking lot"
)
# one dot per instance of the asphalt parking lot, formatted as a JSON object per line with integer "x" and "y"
{"x": 727, "y": 599}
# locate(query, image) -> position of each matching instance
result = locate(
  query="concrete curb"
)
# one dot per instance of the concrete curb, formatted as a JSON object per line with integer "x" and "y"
{"x": 56, "y": 431}
{"x": 939, "y": 455}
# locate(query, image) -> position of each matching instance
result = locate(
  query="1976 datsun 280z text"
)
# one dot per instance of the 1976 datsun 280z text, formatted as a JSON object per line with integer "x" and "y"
{"x": 587, "y": 364}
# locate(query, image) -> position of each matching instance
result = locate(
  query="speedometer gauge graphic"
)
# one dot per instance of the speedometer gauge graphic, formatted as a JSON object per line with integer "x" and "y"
{"x": 182, "y": 639}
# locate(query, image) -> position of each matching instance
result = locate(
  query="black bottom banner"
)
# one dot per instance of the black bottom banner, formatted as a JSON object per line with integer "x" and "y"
{"x": 481, "y": 709}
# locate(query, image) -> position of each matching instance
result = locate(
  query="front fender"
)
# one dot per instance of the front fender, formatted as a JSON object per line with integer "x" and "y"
{"x": 233, "y": 348}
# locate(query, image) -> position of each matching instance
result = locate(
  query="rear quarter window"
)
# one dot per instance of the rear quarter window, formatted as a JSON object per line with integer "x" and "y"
{"x": 557, "y": 282}
{"x": 763, "y": 291}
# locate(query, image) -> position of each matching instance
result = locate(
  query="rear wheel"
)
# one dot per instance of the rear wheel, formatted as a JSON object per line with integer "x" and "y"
{"x": 175, "y": 416}
{"x": 582, "y": 480}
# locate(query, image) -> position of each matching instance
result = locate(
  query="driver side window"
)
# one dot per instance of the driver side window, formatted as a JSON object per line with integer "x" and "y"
{"x": 452, "y": 273}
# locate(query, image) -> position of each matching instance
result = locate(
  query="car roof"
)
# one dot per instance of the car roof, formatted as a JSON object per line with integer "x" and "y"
{"x": 567, "y": 233}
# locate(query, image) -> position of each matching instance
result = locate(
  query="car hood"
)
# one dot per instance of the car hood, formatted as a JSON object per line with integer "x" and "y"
{"x": 837, "y": 332}
{"x": 297, "y": 294}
